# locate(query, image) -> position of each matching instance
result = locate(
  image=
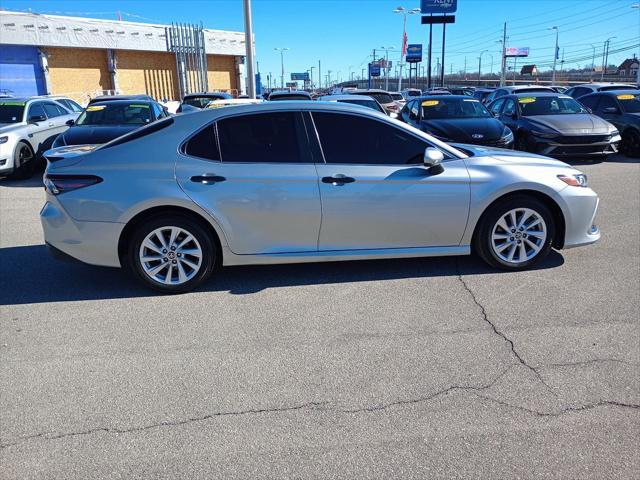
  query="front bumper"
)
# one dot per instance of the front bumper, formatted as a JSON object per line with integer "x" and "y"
{"x": 570, "y": 148}
{"x": 579, "y": 209}
{"x": 95, "y": 243}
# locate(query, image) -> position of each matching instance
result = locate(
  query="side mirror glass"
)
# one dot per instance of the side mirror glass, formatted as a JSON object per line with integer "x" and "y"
{"x": 432, "y": 157}
{"x": 70, "y": 122}
{"x": 37, "y": 118}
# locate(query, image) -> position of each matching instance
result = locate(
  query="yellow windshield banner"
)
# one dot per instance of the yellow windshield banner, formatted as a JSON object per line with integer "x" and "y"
{"x": 526, "y": 100}
{"x": 12, "y": 104}
{"x": 430, "y": 103}
{"x": 138, "y": 106}
{"x": 95, "y": 108}
{"x": 626, "y": 96}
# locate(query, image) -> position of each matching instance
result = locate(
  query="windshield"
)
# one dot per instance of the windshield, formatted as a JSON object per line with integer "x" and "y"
{"x": 116, "y": 114}
{"x": 630, "y": 102}
{"x": 454, "y": 108}
{"x": 533, "y": 90}
{"x": 200, "y": 102}
{"x": 396, "y": 96}
{"x": 11, "y": 112}
{"x": 365, "y": 103}
{"x": 531, "y": 106}
{"x": 292, "y": 96}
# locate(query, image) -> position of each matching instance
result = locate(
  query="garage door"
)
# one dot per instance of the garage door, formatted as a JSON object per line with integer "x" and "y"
{"x": 20, "y": 71}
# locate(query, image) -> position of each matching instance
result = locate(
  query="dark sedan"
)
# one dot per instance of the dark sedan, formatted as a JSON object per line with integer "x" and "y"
{"x": 457, "y": 118}
{"x": 555, "y": 125}
{"x": 101, "y": 122}
{"x": 622, "y": 109}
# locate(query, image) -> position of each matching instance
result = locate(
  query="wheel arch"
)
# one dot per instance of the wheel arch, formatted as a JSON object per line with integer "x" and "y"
{"x": 143, "y": 216}
{"x": 556, "y": 211}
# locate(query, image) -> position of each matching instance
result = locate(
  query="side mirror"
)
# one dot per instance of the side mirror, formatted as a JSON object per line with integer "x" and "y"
{"x": 432, "y": 157}
{"x": 37, "y": 119}
{"x": 393, "y": 114}
{"x": 70, "y": 122}
{"x": 611, "y": 110}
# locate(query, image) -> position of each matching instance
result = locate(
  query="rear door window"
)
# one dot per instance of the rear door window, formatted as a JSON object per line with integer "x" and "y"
{"x": 277, "y": 137}
{"x": 496, "y": 106}
{"x": 509, "y": 107}
{"x": 203, "y": 144}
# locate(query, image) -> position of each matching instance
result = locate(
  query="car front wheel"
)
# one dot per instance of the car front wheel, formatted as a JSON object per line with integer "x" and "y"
{"x": 515, "y": 233}
{"x": 172, "y": 254}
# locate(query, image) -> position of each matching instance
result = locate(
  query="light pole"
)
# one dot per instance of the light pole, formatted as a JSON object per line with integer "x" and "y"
{"x": 311, "y": 76}
{"x": 281, "y": 50}
{"x": 248, "y": 38}
{"x": 480, "y": 65}
{"x": 605, "y": 56}
{"x": 555, "y": 56}
{"x": 593, "y": 59}
{"x": 403, "y": 48}
{"x": 386, "y": 66}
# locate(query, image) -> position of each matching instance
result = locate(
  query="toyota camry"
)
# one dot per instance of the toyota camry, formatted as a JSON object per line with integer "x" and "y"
{"x": 286, "y": 182}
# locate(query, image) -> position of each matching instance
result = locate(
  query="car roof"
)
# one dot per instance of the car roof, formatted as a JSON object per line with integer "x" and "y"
{"x": 515, "y": 88}
{"x": 22, "y": 99}
{"x": 121, "y": 101}
{"x": 207, "y": 94}
{"x": 330, "y": 98}
{"x": 289, "y": 92}
{"x": 603, "y": 84}
{"x": 368, "y": 90}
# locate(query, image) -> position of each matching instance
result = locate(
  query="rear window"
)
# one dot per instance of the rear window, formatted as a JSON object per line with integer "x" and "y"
{"x": 381, "y": 97}
{"x": 364, "y": 103}
{"x": 396, "y": 96}
{"x": 201, "y": 102}
{"x": 533, "y": 90}
{"x": 289, "y": 97}
{"x": 608, "y": 88}
{"x": 140, "y": 132}
{"x": 116, "y": 114}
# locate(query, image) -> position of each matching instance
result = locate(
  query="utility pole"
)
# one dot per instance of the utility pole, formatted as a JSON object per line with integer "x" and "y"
{"x": 503, "y": 70}
{"x": 281, "y": 50}
{"x": 248, "y": 39}
{"x": 319, "y": 75}
{"x": 311, "y": 75}
{"x": 605, "y": 56}
{"x": 465, "y": 68}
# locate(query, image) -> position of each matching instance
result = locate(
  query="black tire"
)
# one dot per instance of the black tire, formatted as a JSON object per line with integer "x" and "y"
{"x": 193, "y": 227}
{"x": 482, "y": 241}
{"x": 630, "y": 145}
{"x": 23, "y": 161}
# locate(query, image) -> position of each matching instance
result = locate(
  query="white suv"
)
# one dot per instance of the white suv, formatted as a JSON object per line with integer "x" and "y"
{"x": 28, "y": 127}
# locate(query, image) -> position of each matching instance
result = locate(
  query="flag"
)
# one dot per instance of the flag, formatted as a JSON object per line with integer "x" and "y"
{"x": 404, "y": 44}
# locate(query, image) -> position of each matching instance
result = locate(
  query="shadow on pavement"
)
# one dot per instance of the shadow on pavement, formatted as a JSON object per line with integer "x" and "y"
{"x": 34, "y": 181}
{"x": 29, "y": 275}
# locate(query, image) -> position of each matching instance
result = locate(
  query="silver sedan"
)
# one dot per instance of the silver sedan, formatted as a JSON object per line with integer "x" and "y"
{"x": 303, "y": 182}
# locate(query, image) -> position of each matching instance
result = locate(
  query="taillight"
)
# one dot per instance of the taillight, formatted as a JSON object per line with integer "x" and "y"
{"x": 392, "y": 106}
{"x": 57, "y": 184}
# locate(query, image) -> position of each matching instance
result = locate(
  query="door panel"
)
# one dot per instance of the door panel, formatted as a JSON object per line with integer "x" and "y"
{"x": 393, "y": 206}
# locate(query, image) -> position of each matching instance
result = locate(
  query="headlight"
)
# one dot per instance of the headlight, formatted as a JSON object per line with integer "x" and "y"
{"x": 544, "y": 134}
{"x": 507, "y": 135}
{"x": 577, "y": 180}
{"x": 4, "y": 139}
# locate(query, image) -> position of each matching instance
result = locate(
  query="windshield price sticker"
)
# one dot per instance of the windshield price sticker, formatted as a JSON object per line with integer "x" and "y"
{"x": 95, "y": 108}
{"x": 526, "y": 100}
{"x": 626, "y": 96}
{"x": 430, "y": 103}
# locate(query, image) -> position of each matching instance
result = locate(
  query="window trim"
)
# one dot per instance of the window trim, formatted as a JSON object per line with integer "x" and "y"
{"x": 447, "y": 155}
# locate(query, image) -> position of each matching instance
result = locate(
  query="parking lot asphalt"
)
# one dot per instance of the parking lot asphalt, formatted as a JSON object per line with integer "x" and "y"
{"x": 418, "y": 368}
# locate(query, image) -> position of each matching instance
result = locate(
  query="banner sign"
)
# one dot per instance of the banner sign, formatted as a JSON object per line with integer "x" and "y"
{"x": 414, "y": 53}
{"x": 516, "y": 52}
{"x": 300, "y": 76}
{"x": 438, "y": 6}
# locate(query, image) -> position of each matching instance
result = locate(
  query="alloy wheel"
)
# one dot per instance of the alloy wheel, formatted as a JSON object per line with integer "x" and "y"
{"x": 518, "y": 235}
{"x": 170, "y": 255}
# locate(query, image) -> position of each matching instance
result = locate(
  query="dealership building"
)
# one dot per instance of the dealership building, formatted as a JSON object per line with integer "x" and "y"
{"x": 82, "y": 57}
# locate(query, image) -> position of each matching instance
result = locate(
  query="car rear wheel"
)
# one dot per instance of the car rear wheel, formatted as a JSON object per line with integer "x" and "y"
{"x": 515, "y": 233}
{"x": 630, "y": 145}
{"x": 172, "y": 254}
{"x": 23, "y": 161}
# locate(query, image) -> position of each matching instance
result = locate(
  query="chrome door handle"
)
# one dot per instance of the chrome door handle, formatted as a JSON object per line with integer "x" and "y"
{"x": 51, "y": 124}
{"x": 208, "y": 179}
{"x": 338, "y": 179}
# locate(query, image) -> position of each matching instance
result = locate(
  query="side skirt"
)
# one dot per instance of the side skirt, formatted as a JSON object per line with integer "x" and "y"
{"x": 230, "y": 258}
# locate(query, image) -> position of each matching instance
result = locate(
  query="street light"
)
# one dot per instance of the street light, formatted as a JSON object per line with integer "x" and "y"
{"x": 281, "y": 50}
{"x": 403, "y": 49}
{"x": 555, "y": 55}
{"x": 605, "y": 56}
{"x": 480, "y": 64}
{"x": 593, "y": 58}
{"x": 386, "y": 66}
{"x": 311, "y": 76}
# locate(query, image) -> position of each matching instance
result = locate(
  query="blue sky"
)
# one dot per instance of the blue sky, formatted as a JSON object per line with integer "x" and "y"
{"x": 342, "y": 33}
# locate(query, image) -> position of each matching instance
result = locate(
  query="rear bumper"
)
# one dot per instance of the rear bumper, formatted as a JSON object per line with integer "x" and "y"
{"x": 95, "y": 243}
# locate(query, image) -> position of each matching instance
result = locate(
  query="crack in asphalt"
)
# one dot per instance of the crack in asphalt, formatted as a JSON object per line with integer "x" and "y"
{"x": 167, "y": 423}
{"x": 570, "y": 409}
{"x": 512, "y": 346}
